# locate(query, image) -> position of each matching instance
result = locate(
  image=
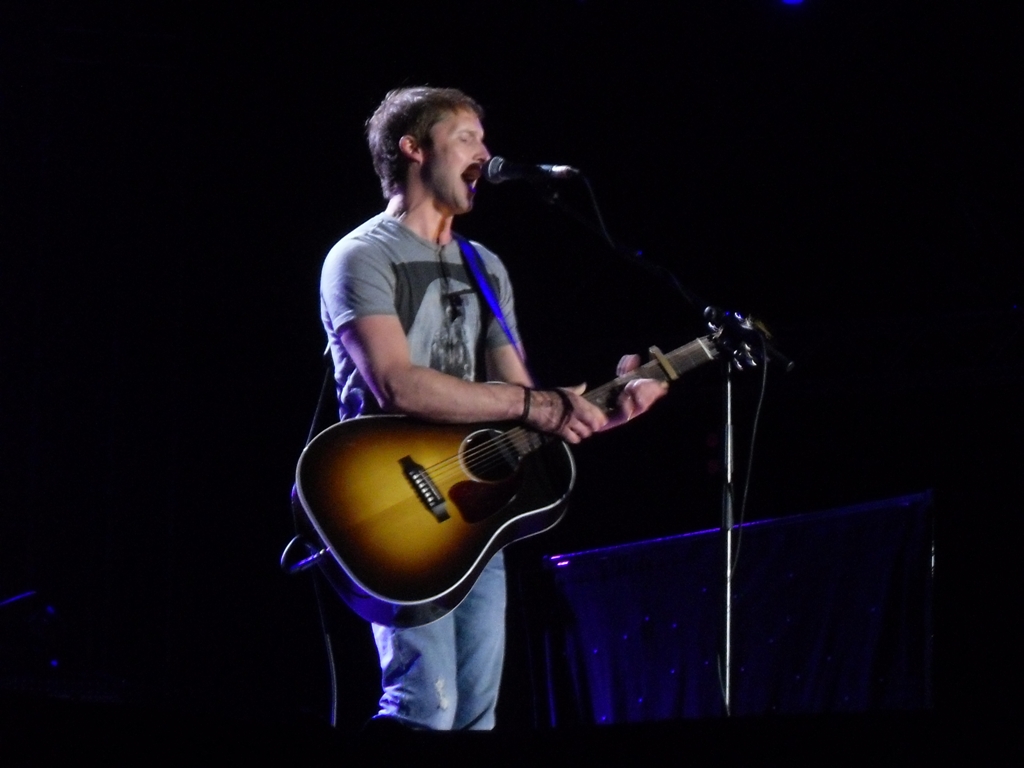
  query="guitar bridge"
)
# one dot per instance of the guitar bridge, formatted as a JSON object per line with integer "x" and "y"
{"x": 425, "y": 488}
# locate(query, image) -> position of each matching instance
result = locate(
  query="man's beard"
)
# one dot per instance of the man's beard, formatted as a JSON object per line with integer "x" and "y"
{"x": 455, "y": 194}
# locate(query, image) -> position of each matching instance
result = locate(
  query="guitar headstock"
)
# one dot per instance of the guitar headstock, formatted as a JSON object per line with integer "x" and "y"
{"x": 743, "y": 340}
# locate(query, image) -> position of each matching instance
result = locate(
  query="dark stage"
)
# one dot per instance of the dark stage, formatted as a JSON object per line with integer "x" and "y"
{"x": 172, "y": 177}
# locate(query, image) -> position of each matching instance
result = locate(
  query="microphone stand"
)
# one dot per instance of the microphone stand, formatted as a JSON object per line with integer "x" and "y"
{"x": 744, "y": 343}
{"x": 728, "y": 525}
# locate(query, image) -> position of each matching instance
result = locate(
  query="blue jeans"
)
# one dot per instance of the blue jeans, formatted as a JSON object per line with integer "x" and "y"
{"x": 445, "y": 675}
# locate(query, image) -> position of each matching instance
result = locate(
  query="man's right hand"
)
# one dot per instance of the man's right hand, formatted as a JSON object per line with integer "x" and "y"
{"x": 564, "y": 412}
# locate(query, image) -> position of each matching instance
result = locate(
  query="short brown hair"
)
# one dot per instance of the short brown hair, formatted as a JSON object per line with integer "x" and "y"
{"x": 412, "y": 111}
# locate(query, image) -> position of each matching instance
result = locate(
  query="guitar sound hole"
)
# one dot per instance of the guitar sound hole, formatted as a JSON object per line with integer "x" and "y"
{"x": 487, "y": 455}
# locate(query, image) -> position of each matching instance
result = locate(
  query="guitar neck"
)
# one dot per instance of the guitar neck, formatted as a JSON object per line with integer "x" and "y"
{"x": 682, "y": 360}
{"x": 686, "y": 358}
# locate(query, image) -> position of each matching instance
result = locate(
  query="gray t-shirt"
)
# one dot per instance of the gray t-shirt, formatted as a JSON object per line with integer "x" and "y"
{"x": 382, "y": 268}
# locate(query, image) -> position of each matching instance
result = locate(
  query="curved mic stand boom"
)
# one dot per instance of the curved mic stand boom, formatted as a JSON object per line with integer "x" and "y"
{"x": 743, "y": 343}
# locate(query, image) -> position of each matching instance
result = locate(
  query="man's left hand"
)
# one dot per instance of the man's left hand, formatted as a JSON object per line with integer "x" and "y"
{"x": 637, "y": 396}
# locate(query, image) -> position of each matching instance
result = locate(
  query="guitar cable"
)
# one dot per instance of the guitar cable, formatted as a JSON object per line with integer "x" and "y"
{"x": 332, "y": 671}
{"x": 750, "y": 457}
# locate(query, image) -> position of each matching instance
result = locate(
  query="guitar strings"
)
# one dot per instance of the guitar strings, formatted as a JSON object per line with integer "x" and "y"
{"x": 493, "y": 451}
{"x": 489, "y": 454}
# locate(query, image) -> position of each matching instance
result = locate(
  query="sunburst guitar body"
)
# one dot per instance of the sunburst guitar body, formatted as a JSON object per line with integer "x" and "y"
{"x": 411, "y": 512}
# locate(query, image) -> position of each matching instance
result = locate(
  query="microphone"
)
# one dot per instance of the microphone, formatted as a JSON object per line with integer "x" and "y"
{"x": 498, "y": 169}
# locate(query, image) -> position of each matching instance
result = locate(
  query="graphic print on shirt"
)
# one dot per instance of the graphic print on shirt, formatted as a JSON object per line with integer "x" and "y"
{"x": 440, "y": 334}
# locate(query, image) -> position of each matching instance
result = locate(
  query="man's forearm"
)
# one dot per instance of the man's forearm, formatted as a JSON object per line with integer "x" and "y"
{"x": 379, "y": 348}
{"x": 434, "y": 396}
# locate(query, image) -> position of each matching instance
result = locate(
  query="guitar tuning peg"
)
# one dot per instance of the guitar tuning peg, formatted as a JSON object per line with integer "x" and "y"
{"x": 744, "y": 356}
{"x": 713, "y": 315}
{"x": 750, "y": 355}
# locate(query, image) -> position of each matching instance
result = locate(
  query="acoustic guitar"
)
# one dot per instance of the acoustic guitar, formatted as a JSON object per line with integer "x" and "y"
{"x": 409, "y": 513}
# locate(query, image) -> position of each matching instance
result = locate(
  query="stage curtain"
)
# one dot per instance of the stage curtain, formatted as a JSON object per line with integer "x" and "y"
{"x": 832, "y": 612}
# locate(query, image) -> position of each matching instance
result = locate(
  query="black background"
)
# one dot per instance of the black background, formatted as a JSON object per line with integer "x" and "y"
{"x": 173, "y": 175}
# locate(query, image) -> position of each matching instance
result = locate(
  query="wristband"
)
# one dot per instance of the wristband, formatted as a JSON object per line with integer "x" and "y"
{"x": 566, "y": 407}
{"x": 527, "y": 392}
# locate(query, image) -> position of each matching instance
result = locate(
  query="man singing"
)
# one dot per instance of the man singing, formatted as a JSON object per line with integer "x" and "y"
{"x": 410, "y": 334}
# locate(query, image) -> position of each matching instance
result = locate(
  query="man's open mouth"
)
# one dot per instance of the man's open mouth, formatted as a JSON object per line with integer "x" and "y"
{"x": 472, "y": 175}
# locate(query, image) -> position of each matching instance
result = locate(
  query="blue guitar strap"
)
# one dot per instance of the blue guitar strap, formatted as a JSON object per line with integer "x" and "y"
{"x": 486, "y": 288}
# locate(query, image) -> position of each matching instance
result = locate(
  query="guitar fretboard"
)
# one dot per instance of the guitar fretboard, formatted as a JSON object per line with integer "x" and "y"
{"x": 699, "y": 351}
{"x": 686, "y": 358}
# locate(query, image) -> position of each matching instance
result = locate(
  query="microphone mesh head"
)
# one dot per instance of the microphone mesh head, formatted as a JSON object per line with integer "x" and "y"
{"x": 492, "y": 170}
